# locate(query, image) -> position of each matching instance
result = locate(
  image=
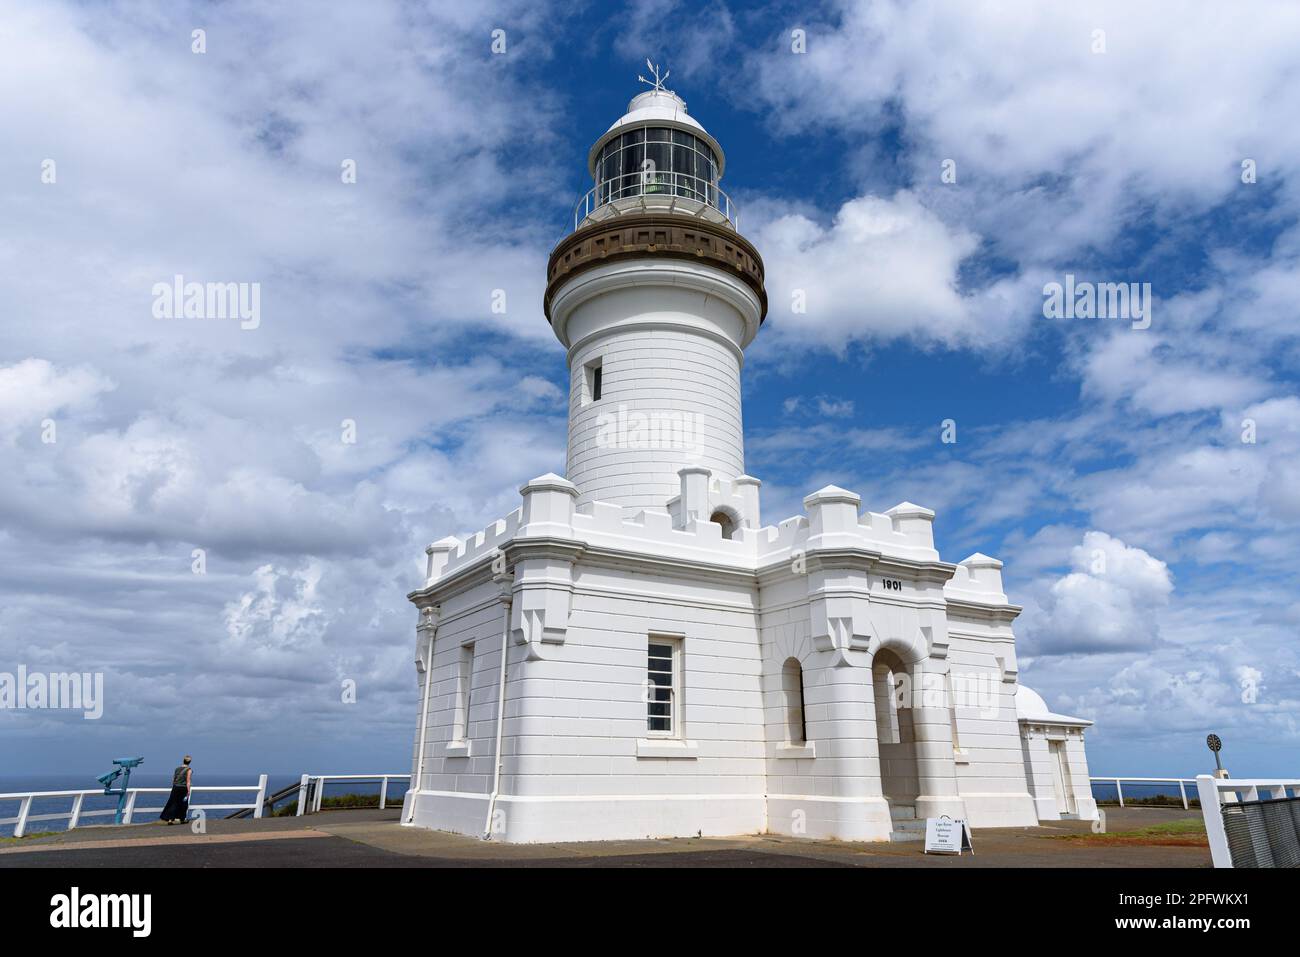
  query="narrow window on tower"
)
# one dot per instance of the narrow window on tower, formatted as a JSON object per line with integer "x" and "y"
{"x": 592, "y": 382}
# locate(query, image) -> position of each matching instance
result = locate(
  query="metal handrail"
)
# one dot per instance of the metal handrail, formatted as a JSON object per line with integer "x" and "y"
{"x": 698, "y": 192}
{"x": 1215, "y": 793}
{"x": 1119, "y": 787}
{"x": 75, "y": 814}
{"x": 311, "y": 788}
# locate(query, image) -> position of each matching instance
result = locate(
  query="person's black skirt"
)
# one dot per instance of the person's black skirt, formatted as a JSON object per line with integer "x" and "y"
{"x": 178, "y": 806}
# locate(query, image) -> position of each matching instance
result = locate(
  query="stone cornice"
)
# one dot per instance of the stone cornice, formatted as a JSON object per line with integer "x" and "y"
{"x": 818, "y": 560}
{"x": 462, "y": 580}
{"x": 1003, "y": 614}
{"x": 567, "y": 550}
{"x": 571, "y": 550}
{"x": 671, "y": 235}
{"x": 695, "y": 569}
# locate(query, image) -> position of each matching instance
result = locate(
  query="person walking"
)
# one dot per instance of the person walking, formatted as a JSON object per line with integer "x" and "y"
{"x": 178, "y": 802}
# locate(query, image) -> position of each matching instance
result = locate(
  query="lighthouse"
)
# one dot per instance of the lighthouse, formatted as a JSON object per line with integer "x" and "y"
{"x": 655, "y": 295}
{"x": 632, "y": 653}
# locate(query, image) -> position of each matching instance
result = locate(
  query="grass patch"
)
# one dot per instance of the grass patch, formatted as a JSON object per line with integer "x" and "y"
{"x": 1158, "y": 800}
{"x": 25, "y": 837}
{"x": 1185, "y": 832}
{"x": 338, "y": 802}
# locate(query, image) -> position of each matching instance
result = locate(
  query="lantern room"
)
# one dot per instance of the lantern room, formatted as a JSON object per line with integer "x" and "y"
{"x": 656, "y": 156}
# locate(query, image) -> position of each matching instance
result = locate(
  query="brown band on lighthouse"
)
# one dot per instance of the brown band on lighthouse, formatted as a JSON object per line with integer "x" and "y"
{"x": 655, "y": 234}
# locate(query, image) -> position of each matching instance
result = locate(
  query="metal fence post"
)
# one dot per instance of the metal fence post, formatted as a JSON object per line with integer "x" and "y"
{"x": 75, "y": 818}
{"x": 1119, "y": 790}
{"x": 302, "y": 795}
{"x": 1208, "y": 791}
{"x": 383, "y": 793}
{"x": 130, "y": 807}
{"x": 23, "y": 808}
{"x": 1182, "y": 789}
{"x": 261, "y": 795}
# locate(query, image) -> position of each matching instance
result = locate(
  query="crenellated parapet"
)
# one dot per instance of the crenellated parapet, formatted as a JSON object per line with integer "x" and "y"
{"x": 856, "y": 571}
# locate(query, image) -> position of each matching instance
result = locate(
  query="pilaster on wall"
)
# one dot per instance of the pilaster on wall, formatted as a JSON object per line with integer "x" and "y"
{"x": 936, "y": 767}
{"x": 836, "y": 566}
{"x": 838, "y": 606}
{"x": 542, "y": 557}
{"x": 424, "y": 635}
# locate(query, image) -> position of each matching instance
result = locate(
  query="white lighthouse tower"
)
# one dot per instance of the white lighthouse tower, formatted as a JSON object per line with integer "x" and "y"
{"x": 631, "y": 653}
{"x": 655, "y": 295}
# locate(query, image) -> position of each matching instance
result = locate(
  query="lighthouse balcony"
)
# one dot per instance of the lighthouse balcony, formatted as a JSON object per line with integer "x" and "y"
{"x": 656, "y": 192}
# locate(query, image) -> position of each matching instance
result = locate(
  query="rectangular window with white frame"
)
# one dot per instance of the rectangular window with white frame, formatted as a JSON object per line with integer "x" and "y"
{"x": 593, "y": 381}
{"x": 664, "y": 671}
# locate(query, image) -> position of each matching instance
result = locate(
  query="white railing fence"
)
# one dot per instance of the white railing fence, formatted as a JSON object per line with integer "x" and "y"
{"x": 1119, "y": 785}
{"x": 1216, "y": 792}
{"x": 311, "y": 788}
{"x": 75, "y": 814}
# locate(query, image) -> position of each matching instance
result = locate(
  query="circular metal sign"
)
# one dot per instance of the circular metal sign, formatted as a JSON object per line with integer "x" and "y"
{"x": 1213, "y": 742}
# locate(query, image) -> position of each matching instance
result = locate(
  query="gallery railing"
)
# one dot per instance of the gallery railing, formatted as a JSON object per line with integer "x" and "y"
{"x": 649, "y": 188}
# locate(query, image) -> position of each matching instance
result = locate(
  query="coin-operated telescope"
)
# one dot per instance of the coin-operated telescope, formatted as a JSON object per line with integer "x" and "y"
{"x": 123, "y": 771}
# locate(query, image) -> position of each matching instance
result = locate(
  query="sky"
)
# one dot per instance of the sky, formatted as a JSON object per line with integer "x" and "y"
{"x": 185, "y": 508}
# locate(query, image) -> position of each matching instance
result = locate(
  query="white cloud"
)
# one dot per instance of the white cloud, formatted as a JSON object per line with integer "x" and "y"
{"x": 282, "y": 613}
{"x": 1053, "y": 142}
{"x": 182, "y": 434}
{"x": 35, "y": 389}
{"x": 1106, "y": 604}
{"x": 882, "y": 269}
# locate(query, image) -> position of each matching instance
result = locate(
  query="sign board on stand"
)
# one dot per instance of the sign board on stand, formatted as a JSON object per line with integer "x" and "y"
{"x": 944, "y": 835}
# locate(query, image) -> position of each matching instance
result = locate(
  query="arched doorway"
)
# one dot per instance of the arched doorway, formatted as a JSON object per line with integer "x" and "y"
{"x": 895, "y": 734}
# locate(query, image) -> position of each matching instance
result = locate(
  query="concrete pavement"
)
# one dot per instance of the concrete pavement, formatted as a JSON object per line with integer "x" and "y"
{"x": 373, "y": 838}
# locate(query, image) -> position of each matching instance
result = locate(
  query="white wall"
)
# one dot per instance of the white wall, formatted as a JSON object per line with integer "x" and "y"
{"x": 574, "y": 717}
{"x": 991, "y": 768}
{"x": 653, "y": 373}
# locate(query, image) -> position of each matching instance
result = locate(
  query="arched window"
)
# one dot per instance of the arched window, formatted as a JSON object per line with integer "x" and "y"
{"x": 725, "y": 520}
{"x": 796, "y": 727}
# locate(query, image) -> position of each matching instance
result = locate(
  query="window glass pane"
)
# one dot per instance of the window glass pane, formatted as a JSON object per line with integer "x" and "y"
{"x": 682, "y": 138}
{"x": 660, "y": 154}
{"x": 683, "y": 161}
{"x": 607, "y": 170}
{"x": 629, "y": 164}
{"x": 633, "y": 137}
{"x": 702, "y": 173}
{"x": 658, "y": 135}
{"x": 660, "y": 675}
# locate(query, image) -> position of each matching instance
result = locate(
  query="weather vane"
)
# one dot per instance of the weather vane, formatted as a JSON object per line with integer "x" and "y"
{"x": 659, "y": 81}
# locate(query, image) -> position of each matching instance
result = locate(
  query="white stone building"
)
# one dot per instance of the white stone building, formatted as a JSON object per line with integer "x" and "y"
{"x": 673, "y": 666}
